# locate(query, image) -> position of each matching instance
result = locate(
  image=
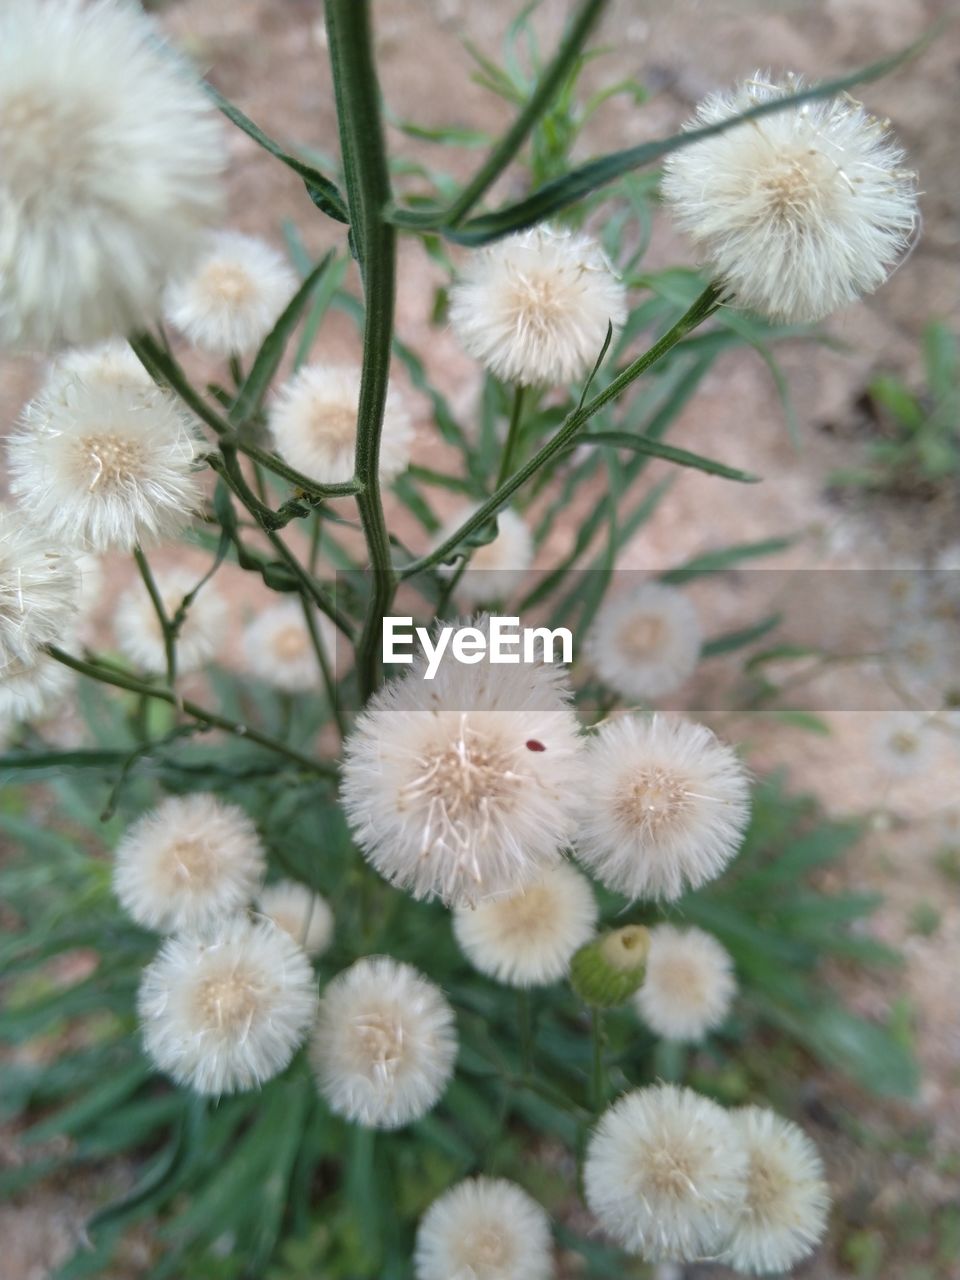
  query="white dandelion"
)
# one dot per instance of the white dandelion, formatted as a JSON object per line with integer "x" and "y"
{"x": 30, "y": 688}
{"x": 384, "y": 1045}
{"x": 788, "y": 1199}
{"x": 305, "y": 915}
{"x": 140, "y": 636}
{"x": 498, "y": 567}
{"x": 110, "y": 364}
{"x": 689, "y": 983}
{"x": 920, "y": 655}
{"x": 314, "y": 424}
{"x": 534, "y": 307}
{"x": 666, "y": 1174}
{"x": 645, "y": 645}
{"x": 39, "y": 589}
{"x": 105, "y": 465}
{"x": 188, "y": 864}
{"x": 278, "y": 647}
{"x": 233, "y": 296}
{"x": 667, "y": 805}
{"x": 527, "y": 939}
{"x": 484, "y": 1229}
{"x": 905, "y": 743}
{"x": 225, "y": 1012}
{"x": 111, "y": 156}
{"x": 464, "y": 787}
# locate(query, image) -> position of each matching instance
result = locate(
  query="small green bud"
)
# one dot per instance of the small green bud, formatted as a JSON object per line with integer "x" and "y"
{"x": 608, "y": 970}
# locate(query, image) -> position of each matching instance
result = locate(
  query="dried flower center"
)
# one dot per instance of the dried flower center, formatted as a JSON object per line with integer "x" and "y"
{"x": 289, "y": 642}
{"x": 795, "y": 186}
{"x": 336, "y": 425}
{"x": 642, "y": 636}
{"x": 227, "y": 283}
{"x": 486, "y": 1247}
{"x": 527, "y": 913}
{"x": 653, "y": 800}
{"x": 683, "y": 980}
{"x": 378, "y": 1036}
{"x": 539, "y": 304}
{"x": 667, "y": 1171}
{"x": 190, "y": 863}
{"x": 767, "y": 1184}
{"x": 42, "y": 142}
{"x": 228, "y": 1002}
{"x": 904, "y": 743}
{"x": 111, "y": 461}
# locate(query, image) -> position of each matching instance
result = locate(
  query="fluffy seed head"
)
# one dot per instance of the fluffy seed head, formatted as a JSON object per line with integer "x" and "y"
{"x": 108, "y": 364}
{"x": 800, "y": 211}
{"x": 464, "y": 787}
{"x": 314, "y": 424}
{"x": 534, "y": 307}
{"x": 187, "y": 864}
{"x": 233, "y": 296}
{"x": 905, "y": 743}
{"x": 39, "y": 589}
{"x": 305, "y": 915}
{"x": 498, "y": 567}
{"x": 647, "y": 644}
{"x": 689, "y": 983}
{"x": 527, "y": 939}
{"x": 227, "y": 1011}
{"x": 484, "y": 1229}
{"x": 138, "y": 631}
{"x": 666, "y": 1174}
{"x": 785, "y": 1214}
{"x": 384, "y": 1045}
{"x": 110, "y": 156}
{"x": 31, "y": 687}
{"x": 278, "y": 648}
{"x": 667, "y": 806}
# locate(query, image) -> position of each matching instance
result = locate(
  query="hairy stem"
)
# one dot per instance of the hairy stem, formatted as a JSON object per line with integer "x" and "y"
{"x": 166, "y": 626}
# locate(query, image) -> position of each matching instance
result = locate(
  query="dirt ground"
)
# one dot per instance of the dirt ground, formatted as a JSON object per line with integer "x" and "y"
{"x": 268, "y": 56}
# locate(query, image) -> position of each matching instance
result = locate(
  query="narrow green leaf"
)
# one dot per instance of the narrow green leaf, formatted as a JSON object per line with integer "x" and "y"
{"x": 668, "y": 452}
{"x": 711, "y": 561}
{"x": 732, "y": 640}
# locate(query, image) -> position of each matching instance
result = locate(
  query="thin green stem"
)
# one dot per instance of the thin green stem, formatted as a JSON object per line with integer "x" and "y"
{"x": 599, "y": 1080}
{"x": 326, "y": 671}
{"x": 513, "y": 435}
{"x": 160, "y": 609}
{"x": 525, "y": 1030}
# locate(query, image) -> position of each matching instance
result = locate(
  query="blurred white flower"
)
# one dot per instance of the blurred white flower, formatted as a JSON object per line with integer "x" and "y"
{"x": 921, "y": 655}
{"x": 278, "y": 648}
{"x": 498, "y": 567}
{"x": 227, "y": 1011}
{"x": 689, "y": 984}
{"x": 645, "y": 645}
{"x": 305, "y": 915}
{"x": 31, "y": 687}
{"x": 905, "y": 742}
{"x": 384, "y": 1045}
{"x": 668, "y": 804}
{"x": 111, "y": 364}
{"x": 799, "y": 212}
{"x": 484, "y": 1229}
{"x": 111, "y": 161}
{"x": 39, "y": 589}
{"x": 534, "y": 307}
{"x": 528, "y": 938}
{"x": 188, "y": 864}
{"x": 140, "y": 636}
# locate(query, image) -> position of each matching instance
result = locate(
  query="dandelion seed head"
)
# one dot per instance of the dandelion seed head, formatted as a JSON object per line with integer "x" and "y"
{"x": 647, "y": 644}
{"x": 498, "y": 567}
{"x": 39, "y": 588}
{"x": 140, "y": 636}
{"x": 484, "y": 1229}
{"x": 689, "y": 983}
{"x": 305, "y": 915}
{"x": 278, "y": 649}
{"x": 31, "y": 687}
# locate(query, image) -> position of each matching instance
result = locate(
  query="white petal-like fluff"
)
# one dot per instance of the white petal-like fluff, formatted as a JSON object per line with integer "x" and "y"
{"x": 233, "y": 296}
{"x": 314, "y": 424}
{"x": 105, "y": 464}
{"x": 109, "y": 364}
{"x": 667, "y": 805}
{"x": 279, "y": 650}
{"x": 39, "y": 589}
{"x": 305, "y": 915}
{"x": 534, "y": 307}
{"x": 666, "y": 1174}
{"x": 647, "y": 644}
{"x": 226, "y": 1012}
{"x": 188, "y": 864}
{"x": 138, "y": 632}
{"x": 497, "y": 568}
{"x": 484, "y": 1229}
{"x": 528, "y": 938}
{"x": 384, "y": 1045}
{"x": 466, "y": 786}
{"x": 111, "y": 156}
{"x": 800, "y": 211}
{"x": 788, "y": 1199}
{"x": 689, "y": 983}
{"x": 906, "y": 743}
{"x": 30, "y": 687}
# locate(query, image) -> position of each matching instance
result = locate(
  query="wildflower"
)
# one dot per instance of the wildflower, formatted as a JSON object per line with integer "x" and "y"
{"x": 278, "y": 647}
{"x": 689, "y": 983}
{"x": 111, "y": 364}
{"x": 233, "y": 295}
{"x": 305, "y": 915}
{"x": 484, "y": 1229}
{"x": 668, "y": 806}
{"x": 314, "y": 424}
{"x": 921, "y": 656}
{"x": 39, "y": 589}
{"x": 799, "y": 212}
{"x": 647, "y": 644}
{"x": 31, "y": 687}
{"x": 528, "y": 938}
{"x": 665, "y": 1174}
{"x": 227, "y": 1011}
{"x": 905, "y": 742}
{"x": 111, "y": 156}
{"x": 464, "y": 788}
{"x": 384, "y": 1045}
{"x": 140, "y": 636}
{"x": 187, "y": 864}
{"x": 496, "y": 568}
{"x": 534, "y": 307}
{"x": 785, "y": 1214}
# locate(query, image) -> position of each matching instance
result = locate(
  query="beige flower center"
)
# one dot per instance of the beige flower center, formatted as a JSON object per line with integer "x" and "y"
{"x": 667, "y": 1171}
{"x": 110, "y": 461}
{"x": 642, "y": 636}
{"x": 767, "y": 1184}
{"x": 682, "y": 980}
{"x": 904, "y": 743}
{"x": 796, "y": 186}
{"x": 540, "y": 303}
{"x": 486, "y": 1247}
{"x": 228, "y": 1002}
{"x": 290, "y": 642}
{"x": 227, "y": 283}
{"x": 335, "y": 425}
{"x": 378, "y": 1036}
{"x": 190, "y": 863}
{"x": 653, "y": 800}
{"x": 527, "y": 913}
{"x": 44, "y": 143}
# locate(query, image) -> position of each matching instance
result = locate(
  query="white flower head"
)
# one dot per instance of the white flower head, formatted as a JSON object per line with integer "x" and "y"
{"x": 187, "y": 864}
{"x": 233, "y": 296}
{"x": 800, "y": 211}
{"x": 905, "y": 743}
{"x": 785, "y": 1215}
{"x": 921, "y": 656}
{"x": 314, "y": 424}
{"x": 227, "y": 1011}
{"x": 305, "y": 915}
{"x": 666, "y": 1174}
{"x": 139, "y": 634}
{"x": 667, "y": 805}
{"x": 279, "y": 650}
{"x": 689, "y": 983}
{"x": 111, "y": 155}
{"x": 534, "y": 307}
{"x": 484, "y": 1229}
{"x": 32, "y": 687}
{"x": 384, "y": 1045}
{"x": 464, "y": 787}
{"x": 110, "y": 364}
{"x": 104, "y": 465}
{"x": 645, "y": 645}
{"x": 528, "y": 938}
{"x": 497, "y": 568}
{"x": 39, "y": 589}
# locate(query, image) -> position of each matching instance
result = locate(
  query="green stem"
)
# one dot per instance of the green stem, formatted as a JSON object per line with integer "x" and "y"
{"x": 326, "y": 670}
{"x": 513, "y": 435}
{"x": 166, "y": 626}
{"x": 525, "y": 1029}
{"x": 599, "y": 1082}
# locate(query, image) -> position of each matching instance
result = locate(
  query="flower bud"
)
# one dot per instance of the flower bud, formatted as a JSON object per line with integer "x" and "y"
{"x": 607, "y": 971}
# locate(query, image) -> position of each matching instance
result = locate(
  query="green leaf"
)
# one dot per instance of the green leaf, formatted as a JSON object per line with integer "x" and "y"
{"x": 732, "y": 640}
{"x": 711, "y": 561}
{"x": 668, "y": 452}
{"x": 868, "y": 1052}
